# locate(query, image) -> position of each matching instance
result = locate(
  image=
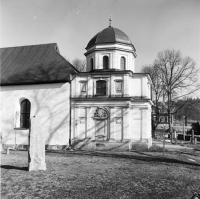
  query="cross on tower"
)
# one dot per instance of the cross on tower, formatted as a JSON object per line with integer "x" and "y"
{"x": 110, "y": 20}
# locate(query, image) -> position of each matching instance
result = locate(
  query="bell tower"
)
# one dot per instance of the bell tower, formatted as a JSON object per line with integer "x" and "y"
{"x": 110, "y": 49}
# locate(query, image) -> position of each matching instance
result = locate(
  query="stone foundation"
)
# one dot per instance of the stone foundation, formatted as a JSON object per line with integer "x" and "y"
{"x": 93, "y": 145}
{"x": 126, "y": 145}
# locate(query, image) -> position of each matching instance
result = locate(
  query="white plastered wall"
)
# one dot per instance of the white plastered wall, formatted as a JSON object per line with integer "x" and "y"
{"x": 125, "y": 123}
{"x": 139, "y": 86}
{"x": 140, "y": 122}
{"x": 136, "y": 86}
{"x": 49, "y": 102}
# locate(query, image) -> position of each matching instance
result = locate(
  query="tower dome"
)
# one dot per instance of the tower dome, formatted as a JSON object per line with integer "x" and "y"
{"x": 110, "y": 35}
{"x": 109, "y": 49}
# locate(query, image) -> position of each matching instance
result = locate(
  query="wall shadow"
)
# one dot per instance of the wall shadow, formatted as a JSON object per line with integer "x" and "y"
{"x": 139, "y": 157}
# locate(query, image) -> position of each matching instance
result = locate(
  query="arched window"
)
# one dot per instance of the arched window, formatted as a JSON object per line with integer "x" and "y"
{"x": 101, "y": 87}
{"x": 123, "y": 63}
{"x": 91, "y": 64}
{"x": 25, "y": 114}
{"x": 105, "y": 62}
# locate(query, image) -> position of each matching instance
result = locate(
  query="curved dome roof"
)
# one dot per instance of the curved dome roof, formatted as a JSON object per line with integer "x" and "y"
{"x": 109, "y": 35}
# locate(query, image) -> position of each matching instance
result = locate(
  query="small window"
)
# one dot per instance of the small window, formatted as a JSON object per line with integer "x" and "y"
{"x": 118, "y": 87}
{"x": 101, "y": 87}
{"x": 83, "y": 87}
{"x": 105, "y": 62}
{"x": 25, "y": 114}
{"x": 91, "y": 64}
{"x": 123, "y": 63}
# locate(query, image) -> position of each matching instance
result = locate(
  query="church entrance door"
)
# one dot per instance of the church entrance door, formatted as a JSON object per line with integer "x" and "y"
{"x": 101, "y": 130}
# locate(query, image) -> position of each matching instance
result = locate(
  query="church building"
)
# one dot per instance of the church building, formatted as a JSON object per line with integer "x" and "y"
{"x": 107, "y": 107}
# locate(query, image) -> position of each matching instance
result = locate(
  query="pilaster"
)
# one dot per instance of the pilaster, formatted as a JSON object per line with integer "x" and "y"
{"x": 112, "y": 86}
{"x": 112, "y": 123}
{"x": 89, "y": 123}
{"x": 89, "y": 88}
{"x": 76, "y": 117}
{"x": 144, "y": 86}
{"x": 126, "y": 85}
{"x": 126, "y": 123}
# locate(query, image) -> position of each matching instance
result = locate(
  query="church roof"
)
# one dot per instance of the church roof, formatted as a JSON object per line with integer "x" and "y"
{"x": 109, "y": 35}
{"x": 34, "y": 64}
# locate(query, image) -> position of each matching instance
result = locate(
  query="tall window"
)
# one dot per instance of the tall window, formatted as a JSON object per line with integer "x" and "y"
{"x": 123, "y": 63}
{"x": 105, "y": 62}
{"x": 91, "y": 64}
{"x": 118, "y": 87}
{"x": 25, "y": 114}
{"x": 83, "y": 87}
{"x": 101, "y": 87}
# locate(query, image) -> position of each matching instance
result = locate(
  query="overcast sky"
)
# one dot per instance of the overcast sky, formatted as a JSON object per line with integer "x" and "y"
{"x": 152, "y": 25}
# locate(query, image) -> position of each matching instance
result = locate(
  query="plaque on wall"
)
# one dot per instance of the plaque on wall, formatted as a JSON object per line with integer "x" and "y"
{"x": 118, "y": 120}
{"x": 82, "y": 120}
{"x": 101, "y": 113}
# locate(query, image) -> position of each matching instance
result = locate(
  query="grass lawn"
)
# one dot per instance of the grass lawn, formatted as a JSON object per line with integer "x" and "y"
{"x": 87, "y": 175}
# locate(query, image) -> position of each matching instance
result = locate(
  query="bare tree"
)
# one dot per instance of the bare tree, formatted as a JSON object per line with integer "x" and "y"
{"x": 179, "y": 76}
{"x": 79, "y": 64}
{"x": 189, "y": 108}
{"x": 158, "y": 93}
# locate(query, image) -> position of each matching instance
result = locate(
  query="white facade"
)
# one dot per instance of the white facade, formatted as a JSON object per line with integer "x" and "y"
{"x": 111, "y": 104}
{"x": 128, "y": 113}
{"x": 49, "y": 102}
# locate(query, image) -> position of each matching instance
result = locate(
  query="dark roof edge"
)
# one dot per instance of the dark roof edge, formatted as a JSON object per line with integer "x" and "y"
{"x": 33, "y": 83}
{"x": 30, "y": 45}
{"x": 67, "y": 61}
{"x": 114, "y": 32}
{"x": 113, "y": 48}
{"x": 116, "y": 42}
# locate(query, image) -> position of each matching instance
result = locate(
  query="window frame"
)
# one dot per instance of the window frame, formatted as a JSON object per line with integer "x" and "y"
{"x": 124, "y": 66}
{"x": 83, "y": 84}
{"x": 106, "y": 62}
{"x": 119, "y": 81}
{"x": 91, "y": 64}
{"x": 25, "y": 111}
{"x": 105, "y": 87}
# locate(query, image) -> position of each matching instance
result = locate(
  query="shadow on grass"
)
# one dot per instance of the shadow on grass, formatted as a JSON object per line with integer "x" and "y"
{"x": 14, "y": 167}
{"x": 141, "y": 157}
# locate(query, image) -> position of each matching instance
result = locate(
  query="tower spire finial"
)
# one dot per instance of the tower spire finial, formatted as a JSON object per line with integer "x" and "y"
{"x": 110, "y": 20}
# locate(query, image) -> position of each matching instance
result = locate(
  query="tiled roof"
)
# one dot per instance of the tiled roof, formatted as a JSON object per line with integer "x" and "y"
{"x": 34, "y": 64}
{"x": 109, "y": 35}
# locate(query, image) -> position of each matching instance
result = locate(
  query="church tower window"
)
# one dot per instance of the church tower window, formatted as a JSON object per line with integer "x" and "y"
{"x": 101, "y": 87}
{"x": 25, "y": 114}
{"x": 91, "y": 64}
{"x": 118, "y": 87}
{"x": 105, "y": 62}
{"x": 123, "y": 63}
{"x": 83, "y": 87}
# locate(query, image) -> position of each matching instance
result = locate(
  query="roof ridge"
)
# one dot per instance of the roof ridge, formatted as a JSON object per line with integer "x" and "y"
{"x": 114, "y": 32}
{"x": 29, "y": 45}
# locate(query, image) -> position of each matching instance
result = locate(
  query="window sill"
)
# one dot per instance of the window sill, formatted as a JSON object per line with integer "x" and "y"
{"x": 19, "y": 128}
